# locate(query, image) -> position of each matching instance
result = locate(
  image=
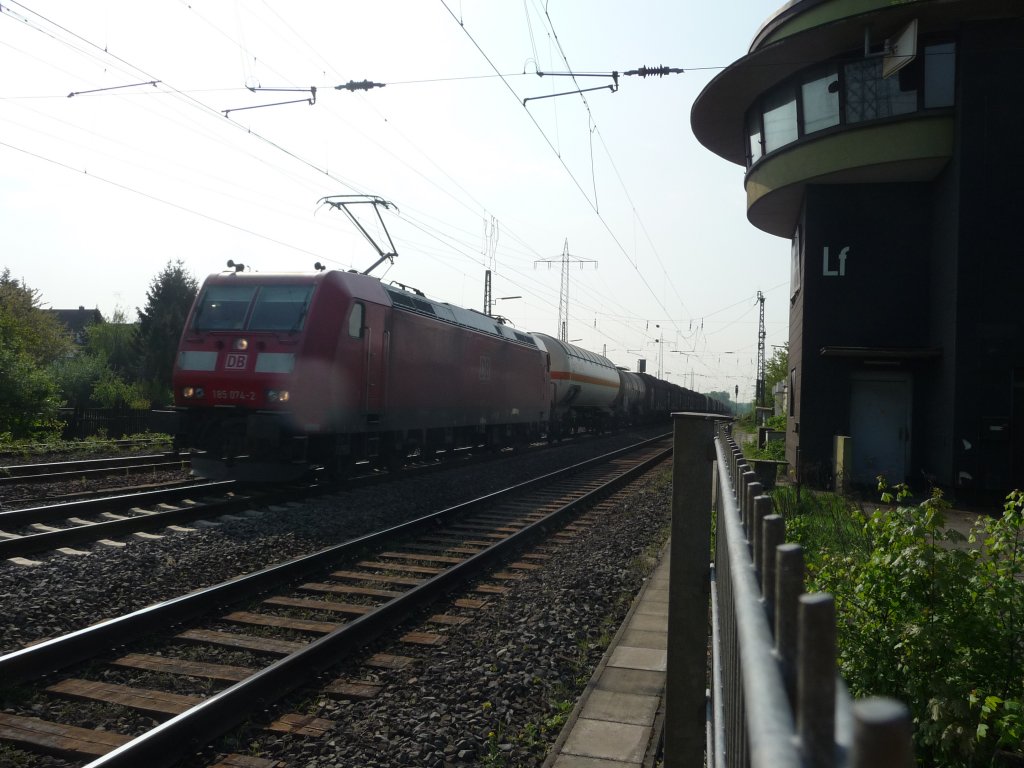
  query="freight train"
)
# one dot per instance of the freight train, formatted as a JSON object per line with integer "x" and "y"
{"x": 278, "y": 373}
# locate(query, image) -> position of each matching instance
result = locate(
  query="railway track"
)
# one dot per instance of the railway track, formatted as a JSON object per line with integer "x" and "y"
{"x": 87, "y": 517}
{"x": 115, "y": 516}
{"x": 381, "y": 580}
{"x": 18, "y": 474}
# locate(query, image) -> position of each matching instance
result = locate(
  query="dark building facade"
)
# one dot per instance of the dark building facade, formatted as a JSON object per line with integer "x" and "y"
{"x": 886, "y": 140}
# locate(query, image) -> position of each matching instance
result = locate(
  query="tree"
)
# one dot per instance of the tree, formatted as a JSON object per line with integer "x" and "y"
{"x": 76, "y": 376}
{"x": 723, "y": 396}
{"x": 25, "y": 326}
{"x": 776, "y": 369}
{"x": 168, "y": 301}
{"x": 114, "y": 343}
{"x": 29, "y": 340}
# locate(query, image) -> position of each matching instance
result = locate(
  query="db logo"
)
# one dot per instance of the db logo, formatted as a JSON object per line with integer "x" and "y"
{"x": 235, "y": 362}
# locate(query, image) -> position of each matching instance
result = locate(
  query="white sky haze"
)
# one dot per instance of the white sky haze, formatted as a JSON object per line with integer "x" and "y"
{"x": 99, "y": 190}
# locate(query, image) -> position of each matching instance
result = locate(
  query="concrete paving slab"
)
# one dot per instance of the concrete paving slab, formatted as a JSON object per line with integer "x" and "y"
{"x": 608, "y": 741}
{"x": 656, "y": 595}
{"x": 652, "y": 609}
{"x": 575, "y": 761}
{"x": 638, "y": 638}
{"x": 648, "y": 623}
{"x": 621, "y": 707}
{"x": 639, "y": 658}
{"x": 640, "y": 681}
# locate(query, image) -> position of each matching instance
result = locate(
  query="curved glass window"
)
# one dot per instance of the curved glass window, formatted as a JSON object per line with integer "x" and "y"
{"x": 779, "y": 120}
{"x": 754, "y": 149}
{"x": 823, "y": 97}
{"x": 869, "y": 96}
{"x": 821, "y": 102}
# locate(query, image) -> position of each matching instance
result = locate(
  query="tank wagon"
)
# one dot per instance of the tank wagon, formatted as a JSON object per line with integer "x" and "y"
{"x": 279, "y": 372}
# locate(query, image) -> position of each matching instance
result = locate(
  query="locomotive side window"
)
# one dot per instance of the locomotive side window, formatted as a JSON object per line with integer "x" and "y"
{"x": 223, "y": 307}
{"x": 355, "y": 320}
{"x": 280, "y": 308}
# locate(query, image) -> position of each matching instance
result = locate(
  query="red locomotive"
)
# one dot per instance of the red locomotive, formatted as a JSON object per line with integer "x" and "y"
{"x": 292, "y": 370}
{"x": 279, "y": 372}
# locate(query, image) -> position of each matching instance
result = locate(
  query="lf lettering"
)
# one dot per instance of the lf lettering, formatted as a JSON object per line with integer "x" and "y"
{"x": 826, "y": 266}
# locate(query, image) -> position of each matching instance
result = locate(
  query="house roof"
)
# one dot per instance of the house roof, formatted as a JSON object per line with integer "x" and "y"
{"x": 77, "y": 319}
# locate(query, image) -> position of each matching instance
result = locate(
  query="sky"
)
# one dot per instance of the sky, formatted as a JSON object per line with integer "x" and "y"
{"x": 134, "y": 135}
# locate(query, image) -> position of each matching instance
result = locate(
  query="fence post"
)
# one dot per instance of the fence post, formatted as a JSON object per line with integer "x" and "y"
{"x": 689, "y": 590}
{"x": 789, "y": 585}
{"x": 816, "y": 679}
{"x": 882, "y": 734}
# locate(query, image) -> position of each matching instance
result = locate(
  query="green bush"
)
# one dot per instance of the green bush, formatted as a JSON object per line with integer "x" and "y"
{"x": 934, "y": 619}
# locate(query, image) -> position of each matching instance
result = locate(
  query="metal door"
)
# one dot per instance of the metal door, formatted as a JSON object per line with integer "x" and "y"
{"x": 880, "y": 427}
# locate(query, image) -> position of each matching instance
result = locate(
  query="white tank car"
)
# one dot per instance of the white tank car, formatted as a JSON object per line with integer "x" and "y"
{"x": 585, "y": 385}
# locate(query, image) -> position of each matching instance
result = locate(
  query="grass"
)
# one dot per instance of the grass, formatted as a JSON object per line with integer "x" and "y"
{"x": 820, "y": 521}
{"x": 26, "y": 449}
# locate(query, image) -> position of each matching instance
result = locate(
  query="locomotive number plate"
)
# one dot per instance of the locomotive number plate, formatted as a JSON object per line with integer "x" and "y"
{"x": 234, "y": 394}
{"x": 235, "y": 362}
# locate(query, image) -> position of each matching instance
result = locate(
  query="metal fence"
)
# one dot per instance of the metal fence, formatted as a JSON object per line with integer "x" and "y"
{"x": 773, "y": 698}
{"x": 113, "y": 422}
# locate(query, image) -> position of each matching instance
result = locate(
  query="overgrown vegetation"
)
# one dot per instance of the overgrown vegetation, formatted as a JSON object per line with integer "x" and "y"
{"x": 773, "y": 450}
{"x": 71, "y": 449}
{"x": 926, "y": 615}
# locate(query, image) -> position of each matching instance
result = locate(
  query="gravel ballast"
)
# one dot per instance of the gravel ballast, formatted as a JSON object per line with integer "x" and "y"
{"x": 496, "y": 694}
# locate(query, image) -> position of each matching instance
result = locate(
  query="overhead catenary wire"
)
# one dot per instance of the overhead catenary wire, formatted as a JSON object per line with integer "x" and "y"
{"x": 512, "y": 243}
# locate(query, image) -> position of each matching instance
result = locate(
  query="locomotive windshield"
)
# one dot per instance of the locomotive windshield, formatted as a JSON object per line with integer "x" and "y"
{"x": 280, "y": 308}
{"x": 252, "y": 308}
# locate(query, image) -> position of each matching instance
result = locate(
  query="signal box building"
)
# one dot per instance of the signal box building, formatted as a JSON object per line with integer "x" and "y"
{"x": 886, "y": 140}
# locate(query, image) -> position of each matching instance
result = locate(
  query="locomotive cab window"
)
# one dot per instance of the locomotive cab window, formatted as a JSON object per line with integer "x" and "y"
{"x": 223, "y": 307}
{"x": 355, "y": 320}
{"x": 280, "y": 308}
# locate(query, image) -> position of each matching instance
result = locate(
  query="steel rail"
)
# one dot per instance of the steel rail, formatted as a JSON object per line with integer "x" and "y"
{"x": 22, "y": 471}
{"x": 185, "y": 733}
{"x": 127, "y": 469}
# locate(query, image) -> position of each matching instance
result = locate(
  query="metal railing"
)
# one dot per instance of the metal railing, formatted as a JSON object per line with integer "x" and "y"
{"x": 773, "y": 698}
{"x": 114, "y": 423}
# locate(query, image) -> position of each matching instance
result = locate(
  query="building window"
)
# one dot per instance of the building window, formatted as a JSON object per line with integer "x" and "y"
{"x": 780, "y": 126}
{"x": 821, "y": 102}
{"x": 755, "y": 150}
{"x": 853, "y": 93}
{"x": 795, "y": 265}
{"x": 939, "y": 72}
{"x": 869, "y": 97}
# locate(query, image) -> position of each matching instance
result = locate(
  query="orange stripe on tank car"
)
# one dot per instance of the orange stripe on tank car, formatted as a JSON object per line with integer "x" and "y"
{"x": 583, "y": 379}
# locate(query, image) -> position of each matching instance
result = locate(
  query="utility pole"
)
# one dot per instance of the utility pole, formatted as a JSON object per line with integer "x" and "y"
{"x": 490, "y": 246}
{"x": 759, "y": 399}
{"x": 563, "y": 297}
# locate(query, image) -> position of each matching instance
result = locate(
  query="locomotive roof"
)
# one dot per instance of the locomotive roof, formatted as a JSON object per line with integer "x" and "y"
{"x": 469, "y": 318}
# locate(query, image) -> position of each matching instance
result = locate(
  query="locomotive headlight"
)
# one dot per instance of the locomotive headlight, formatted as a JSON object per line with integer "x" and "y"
{"x": 240, "y": 344}
{"x": 192, "y": 393}
{"x": 277, "y": 396}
